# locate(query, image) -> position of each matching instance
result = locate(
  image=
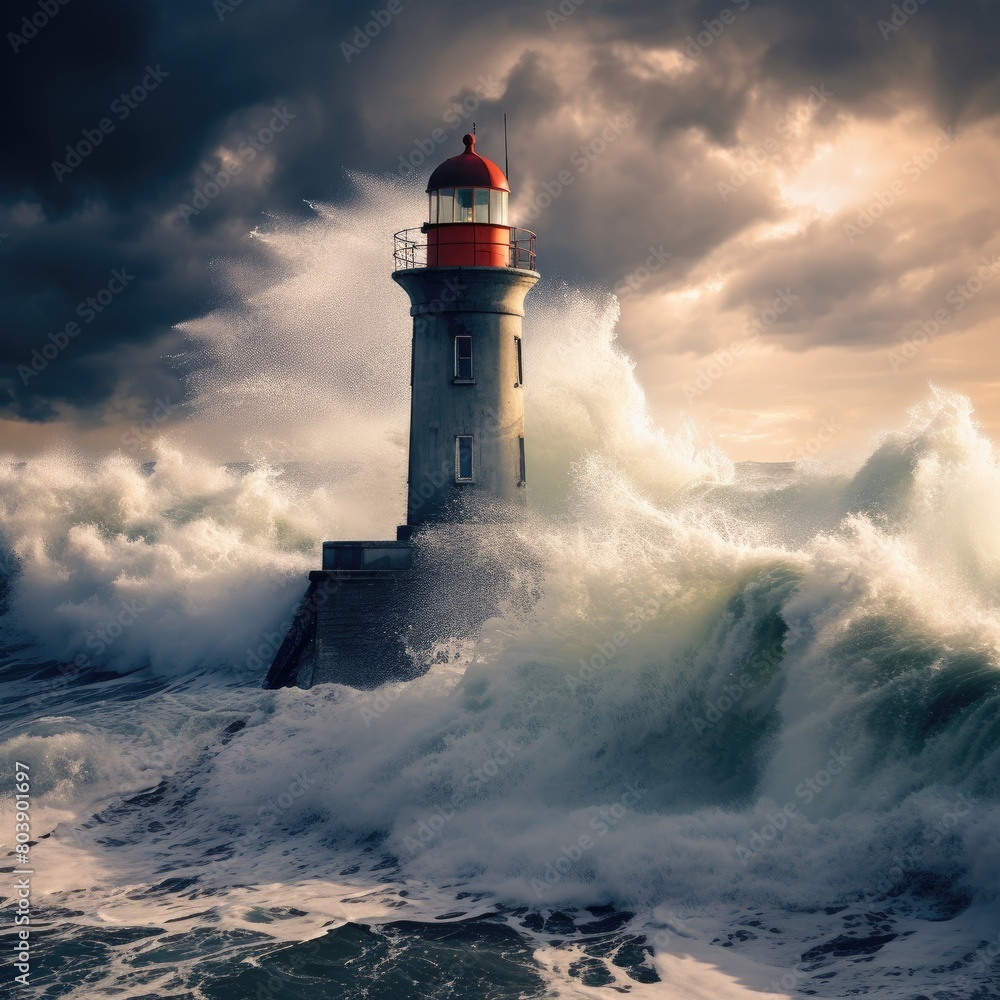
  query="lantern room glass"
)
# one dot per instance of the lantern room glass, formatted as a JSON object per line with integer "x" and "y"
{"x": 484, "y": 205}
{"x": 446, "y": 199}
{"x": 463, "y": 205}
{"x": 498, "y": 207}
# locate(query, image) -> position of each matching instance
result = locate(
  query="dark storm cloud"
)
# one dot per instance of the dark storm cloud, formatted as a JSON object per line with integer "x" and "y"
{"x": 192, "y": 81}
{"x": 859, "y": 47}
{"x": 213, "y": 75}
{"x": 866, "y": 48}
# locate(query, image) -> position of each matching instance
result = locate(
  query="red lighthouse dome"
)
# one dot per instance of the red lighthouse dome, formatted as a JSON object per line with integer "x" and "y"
{"x": 468, "y": 169}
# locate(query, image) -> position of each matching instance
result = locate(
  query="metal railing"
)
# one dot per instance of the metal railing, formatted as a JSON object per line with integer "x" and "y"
{"x": 411, "y": 247}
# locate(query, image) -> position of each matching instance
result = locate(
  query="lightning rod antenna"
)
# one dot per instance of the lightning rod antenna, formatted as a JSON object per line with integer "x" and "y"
{"x": 506, "y": 162}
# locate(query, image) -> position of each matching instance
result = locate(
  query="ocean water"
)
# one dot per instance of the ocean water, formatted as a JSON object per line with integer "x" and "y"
{"x": 734, "y": 734}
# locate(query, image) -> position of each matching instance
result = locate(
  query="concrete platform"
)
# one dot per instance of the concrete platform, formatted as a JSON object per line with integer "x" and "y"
{"x": 352, "y": 623}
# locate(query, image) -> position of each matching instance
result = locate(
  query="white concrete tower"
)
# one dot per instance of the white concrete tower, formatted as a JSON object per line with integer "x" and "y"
{"x": 467, "y": 273}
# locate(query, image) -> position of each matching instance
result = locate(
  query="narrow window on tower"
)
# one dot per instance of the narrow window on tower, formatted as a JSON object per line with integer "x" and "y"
{"x": 520, "y": 367}
{"x": 520, "y": 445}
{"x": 463, "y": 458}
{"x": 463, "y": 359}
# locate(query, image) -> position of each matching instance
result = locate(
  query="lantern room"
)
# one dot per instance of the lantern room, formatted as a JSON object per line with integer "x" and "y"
{"x": 468, "y": 188}
{"x": 467, "y": 221}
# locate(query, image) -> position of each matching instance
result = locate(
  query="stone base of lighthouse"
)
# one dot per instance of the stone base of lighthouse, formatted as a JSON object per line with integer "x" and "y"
{"x": 352, "y": 623}
{"x": 373, "y": 612}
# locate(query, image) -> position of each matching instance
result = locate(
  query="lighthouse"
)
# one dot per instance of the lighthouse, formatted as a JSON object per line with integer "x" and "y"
{"x": 466, "y": 272}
